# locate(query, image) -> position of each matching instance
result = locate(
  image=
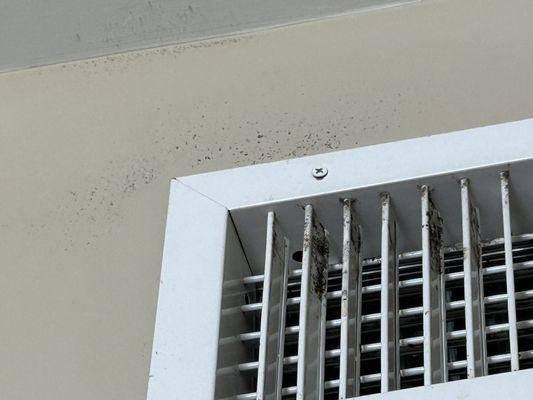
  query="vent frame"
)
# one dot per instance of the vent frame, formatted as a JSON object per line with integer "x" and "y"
{"x": 217, "y": 219}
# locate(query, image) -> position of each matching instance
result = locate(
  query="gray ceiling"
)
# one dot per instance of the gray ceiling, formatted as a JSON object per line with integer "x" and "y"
{"x": 37, "y": 32}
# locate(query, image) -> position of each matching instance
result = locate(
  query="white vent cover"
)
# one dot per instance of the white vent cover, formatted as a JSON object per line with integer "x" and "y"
{"x": 341, "y": 275}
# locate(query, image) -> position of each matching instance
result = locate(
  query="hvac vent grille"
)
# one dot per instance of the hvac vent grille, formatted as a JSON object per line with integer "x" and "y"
{"x": 390, "y": 322}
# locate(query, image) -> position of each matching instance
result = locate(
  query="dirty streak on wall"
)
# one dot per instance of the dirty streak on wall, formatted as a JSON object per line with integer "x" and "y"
{"x": 87, "y": 150}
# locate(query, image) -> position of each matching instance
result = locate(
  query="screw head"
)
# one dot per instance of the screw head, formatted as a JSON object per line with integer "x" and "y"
{"x": 320, "y": 172}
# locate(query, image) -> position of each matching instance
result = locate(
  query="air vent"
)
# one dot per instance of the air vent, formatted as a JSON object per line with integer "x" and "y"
{"x": 454, "y": 291}
{"x": 407, "y": 265}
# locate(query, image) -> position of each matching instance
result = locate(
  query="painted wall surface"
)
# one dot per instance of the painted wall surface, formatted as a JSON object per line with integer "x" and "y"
{"x": 87, "y": 150}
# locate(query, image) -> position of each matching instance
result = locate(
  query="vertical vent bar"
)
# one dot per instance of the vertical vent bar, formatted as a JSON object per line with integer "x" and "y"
{"x": 272, "y": 337}
{"x": 350, "y": 335}
{"x": 432, "y": 291}
{"x": 389, "y": 299}
{"x": 509, "y": 270}
{"x": 312, "y": 332}
{"x": 322, "y": 279}
{"x": 283, "y": 319}
{"x": 473, "y": 286}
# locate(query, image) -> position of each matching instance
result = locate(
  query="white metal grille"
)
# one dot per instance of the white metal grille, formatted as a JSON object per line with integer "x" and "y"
{"x": 337, "y": 331}
{"x": 381, "y": 275}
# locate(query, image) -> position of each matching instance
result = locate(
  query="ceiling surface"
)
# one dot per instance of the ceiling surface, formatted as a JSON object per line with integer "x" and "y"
{"x": 34, "y": 32}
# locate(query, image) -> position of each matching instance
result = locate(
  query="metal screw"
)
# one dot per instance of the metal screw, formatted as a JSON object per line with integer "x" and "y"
{"x": 320, "y": 172}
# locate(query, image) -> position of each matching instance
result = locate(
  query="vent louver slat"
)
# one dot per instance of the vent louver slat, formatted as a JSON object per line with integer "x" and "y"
{"x": 473, "y": 286}
{"x": 509, "y": 271}
{"x": 350, "y": 334}
{"x": 434, "y": 309}
{"x": 389, "y": 299}
{"x": 272, "y": 338}
{"x": 312, "y": 334}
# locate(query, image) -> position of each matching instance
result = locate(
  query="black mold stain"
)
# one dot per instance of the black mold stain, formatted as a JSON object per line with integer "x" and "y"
{"x": 315, "y": 242}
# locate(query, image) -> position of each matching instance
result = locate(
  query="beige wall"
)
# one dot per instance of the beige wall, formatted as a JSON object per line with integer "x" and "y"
{"x": 87, "y": 150}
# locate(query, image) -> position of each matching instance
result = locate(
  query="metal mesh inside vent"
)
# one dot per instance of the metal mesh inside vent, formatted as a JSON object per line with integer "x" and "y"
{"x": 395, "y": 321}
